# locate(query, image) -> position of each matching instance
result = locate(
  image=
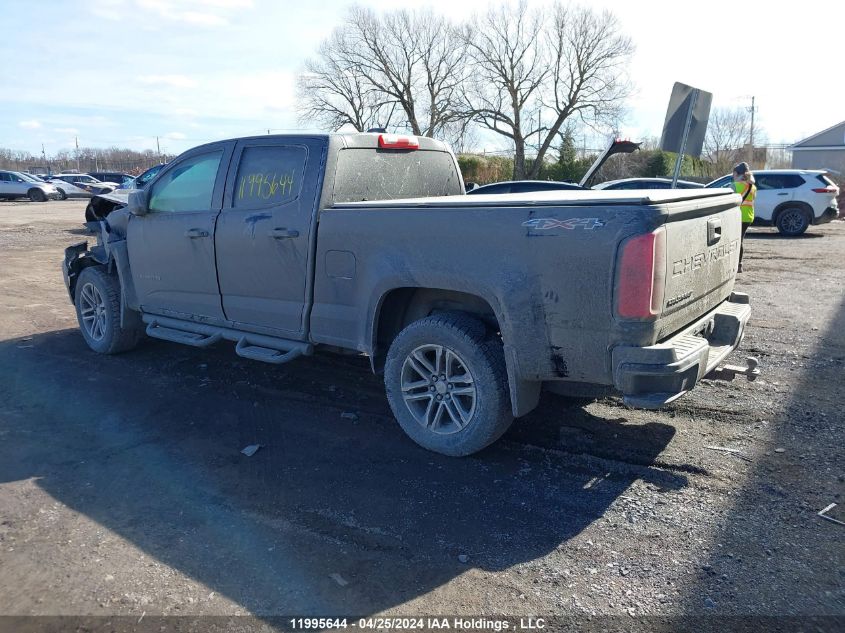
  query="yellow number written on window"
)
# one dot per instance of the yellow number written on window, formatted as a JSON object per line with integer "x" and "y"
{"x": 266, "y": 186}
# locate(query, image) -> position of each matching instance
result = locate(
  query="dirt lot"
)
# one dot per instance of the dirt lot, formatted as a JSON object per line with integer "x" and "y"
{"x": 123, "y": 491}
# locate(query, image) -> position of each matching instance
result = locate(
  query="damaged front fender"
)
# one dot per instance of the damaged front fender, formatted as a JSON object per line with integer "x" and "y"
{"x": 110, "y": 252}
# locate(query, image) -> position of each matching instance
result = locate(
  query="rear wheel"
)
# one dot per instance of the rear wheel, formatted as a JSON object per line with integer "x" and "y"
{"x": 37, "y": 195}
{"x": 447, "y": 384}
{"x": 793, "y": 221}
{"x": 97, "y": 301}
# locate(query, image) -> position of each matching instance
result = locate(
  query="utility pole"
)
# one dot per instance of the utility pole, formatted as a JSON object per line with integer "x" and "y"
{"x": 751, "y": 135}
{"x": 76, "y": 140}
{"x": 46, "y": 162}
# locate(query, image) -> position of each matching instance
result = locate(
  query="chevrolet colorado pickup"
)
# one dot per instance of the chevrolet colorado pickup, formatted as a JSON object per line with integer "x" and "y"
{"x": 469, "y": 305}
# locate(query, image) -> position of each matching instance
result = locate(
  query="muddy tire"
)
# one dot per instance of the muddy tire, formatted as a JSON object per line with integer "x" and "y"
{"x": 97, "y": 301}
{"x": 793, "y": 221}
{"x": 37, "y": 195}
{"x": 447, "y": 384}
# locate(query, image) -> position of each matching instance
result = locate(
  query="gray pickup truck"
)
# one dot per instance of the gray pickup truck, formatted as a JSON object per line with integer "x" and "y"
{"x": 470, "y": 305}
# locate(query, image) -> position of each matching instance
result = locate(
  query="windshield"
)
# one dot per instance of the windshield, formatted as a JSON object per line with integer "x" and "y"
{"x": 27, "y": 177}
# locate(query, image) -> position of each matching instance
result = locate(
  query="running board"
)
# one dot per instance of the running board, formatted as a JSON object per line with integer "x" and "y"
{"x": 194, "y": 339}
{"x": 267, "y": 349}
{"x": 265, "y": 354}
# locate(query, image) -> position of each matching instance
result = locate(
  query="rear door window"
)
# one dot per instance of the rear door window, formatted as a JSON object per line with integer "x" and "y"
{"x": 779, "y": 181}
{"x": 370, "y": 174}
{"x": 269, "y": 176}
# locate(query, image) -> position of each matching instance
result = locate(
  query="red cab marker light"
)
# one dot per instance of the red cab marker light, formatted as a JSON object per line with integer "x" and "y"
{"x": 395, "y": 141}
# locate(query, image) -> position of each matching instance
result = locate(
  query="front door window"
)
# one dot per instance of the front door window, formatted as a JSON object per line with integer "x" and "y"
{"x": 187, "y": 187}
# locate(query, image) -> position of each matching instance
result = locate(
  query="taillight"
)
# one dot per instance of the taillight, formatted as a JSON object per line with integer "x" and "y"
{"x": 641, "y": 276}
{"x": 825, "y": 190}
{"x": 395, "y": 141}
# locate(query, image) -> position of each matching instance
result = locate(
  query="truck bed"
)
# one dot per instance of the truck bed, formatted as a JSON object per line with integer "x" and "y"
{"x": 645, "y": 197}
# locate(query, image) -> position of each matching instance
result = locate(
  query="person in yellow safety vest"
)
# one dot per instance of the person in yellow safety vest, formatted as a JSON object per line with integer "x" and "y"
{"x": 744, "y": 186}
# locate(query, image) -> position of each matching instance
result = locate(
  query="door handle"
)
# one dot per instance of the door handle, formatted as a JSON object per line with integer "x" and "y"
{"x": 714, "y": 231}
{"x": 194, "y": 233}
{"x": 783, "y": 194}
{"x": 282, "y": 233}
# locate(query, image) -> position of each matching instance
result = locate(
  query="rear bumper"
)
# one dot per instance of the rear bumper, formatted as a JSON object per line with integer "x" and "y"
{"x": 650, "y": 377}
{"x": 830, "y": 214}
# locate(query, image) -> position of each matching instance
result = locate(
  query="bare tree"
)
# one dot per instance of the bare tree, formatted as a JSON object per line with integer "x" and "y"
{"x": 408, "y": 60}
{"x": 334, "y": 93}
{"x": 589, "y": 71}
{"x": 509, "y": 67}
{"x": 535, "y": 71}
{"x": 728, "y": 131}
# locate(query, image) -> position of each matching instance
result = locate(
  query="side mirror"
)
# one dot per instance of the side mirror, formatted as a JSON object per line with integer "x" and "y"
{"x": 137, "y": 204}
{"x": 469, "y": 186}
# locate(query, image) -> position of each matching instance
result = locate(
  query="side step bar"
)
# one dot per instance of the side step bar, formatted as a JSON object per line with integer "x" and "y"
{"x": 267, "y": 349}
{"x": 194, "y": 339}
{"x": 266, "y": 354}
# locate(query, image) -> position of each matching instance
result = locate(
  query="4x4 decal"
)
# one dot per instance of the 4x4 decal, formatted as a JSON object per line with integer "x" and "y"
{"x": 542, "y": 224}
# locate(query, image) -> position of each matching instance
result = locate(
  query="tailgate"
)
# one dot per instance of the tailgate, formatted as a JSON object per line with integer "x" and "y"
{"x": 702, "y": 254}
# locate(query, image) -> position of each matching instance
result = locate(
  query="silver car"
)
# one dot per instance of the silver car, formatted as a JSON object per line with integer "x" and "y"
{"x": 80, "y": 185}
{"x": 14, "y": 184}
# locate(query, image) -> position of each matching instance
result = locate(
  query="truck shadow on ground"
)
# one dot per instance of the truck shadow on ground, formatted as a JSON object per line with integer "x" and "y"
{"x": 147, "y": 444}
{"x": 772, "y": 531}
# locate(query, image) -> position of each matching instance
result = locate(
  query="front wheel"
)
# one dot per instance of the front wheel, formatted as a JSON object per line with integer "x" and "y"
{"x": 447, "y": 384}
{"x": 97, "y": 300}
{"x": 793, "y": 221}
{"x": 36, "y": 195}
{"x": 62, "y": 194}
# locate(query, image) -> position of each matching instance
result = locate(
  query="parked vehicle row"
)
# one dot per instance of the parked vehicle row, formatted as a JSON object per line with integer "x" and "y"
{"x": 41, "y": 187}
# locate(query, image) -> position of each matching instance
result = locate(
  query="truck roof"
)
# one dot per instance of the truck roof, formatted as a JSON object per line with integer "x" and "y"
{"x": 355, "y": 140}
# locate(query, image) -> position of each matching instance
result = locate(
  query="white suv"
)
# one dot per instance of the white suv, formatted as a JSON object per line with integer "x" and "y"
{"x": 791, "y": 199}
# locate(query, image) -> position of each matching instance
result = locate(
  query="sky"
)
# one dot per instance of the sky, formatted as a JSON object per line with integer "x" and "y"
{"x": 124, "y": 72}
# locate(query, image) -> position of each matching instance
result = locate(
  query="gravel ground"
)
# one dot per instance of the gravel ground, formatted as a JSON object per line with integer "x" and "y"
{"x": 123, "y": 491}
